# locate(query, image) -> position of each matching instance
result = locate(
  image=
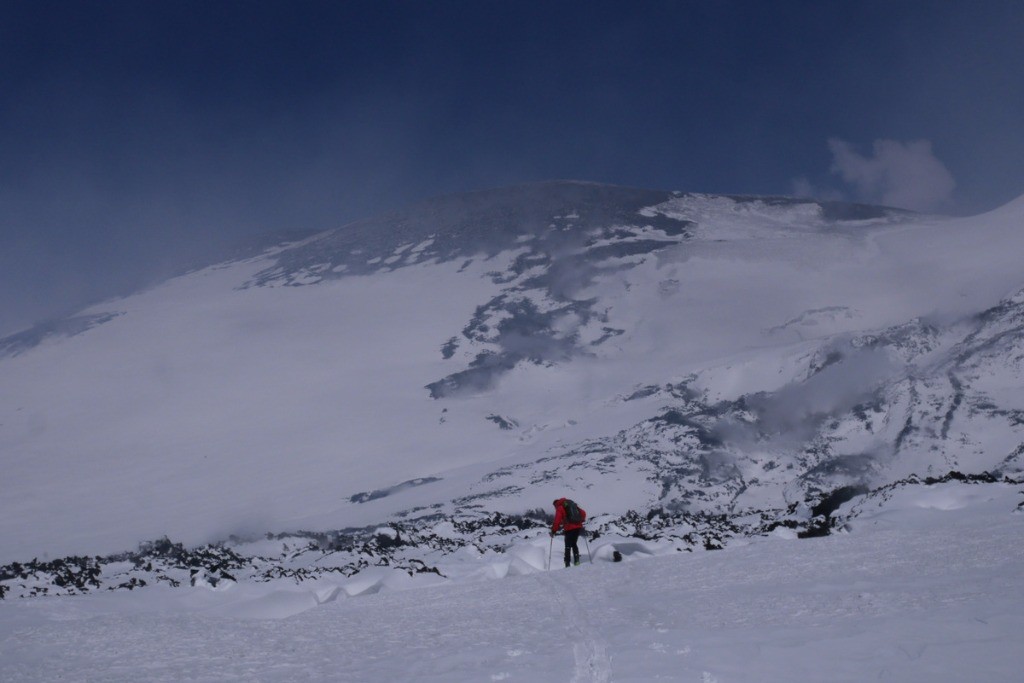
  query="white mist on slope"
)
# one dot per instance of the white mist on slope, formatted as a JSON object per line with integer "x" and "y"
{"x": 204, "y": 401}
{"x": 792, "y": 412}
{"x": 903, "y": 174}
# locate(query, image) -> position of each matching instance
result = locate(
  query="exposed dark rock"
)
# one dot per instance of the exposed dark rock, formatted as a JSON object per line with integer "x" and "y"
{"x": 503, "y": 422}
{"x": 830, "y": 503}
{"x": 383, "y": 493}
{"x": 353, "y": 550}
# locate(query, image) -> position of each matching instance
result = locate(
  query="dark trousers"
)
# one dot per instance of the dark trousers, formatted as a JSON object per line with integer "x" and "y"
{"x": 572, "y": 537}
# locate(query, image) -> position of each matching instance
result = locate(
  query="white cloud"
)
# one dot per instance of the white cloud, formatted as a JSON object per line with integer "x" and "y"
{"x": 906, "y": 175}
{"x": 803, "y": 188}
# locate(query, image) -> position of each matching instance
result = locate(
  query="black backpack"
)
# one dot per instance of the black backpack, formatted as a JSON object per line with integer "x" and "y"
{"x": 572, "y": 512}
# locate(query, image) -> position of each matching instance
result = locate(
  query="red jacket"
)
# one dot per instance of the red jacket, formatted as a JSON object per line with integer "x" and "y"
{"x": 560, "y": 520}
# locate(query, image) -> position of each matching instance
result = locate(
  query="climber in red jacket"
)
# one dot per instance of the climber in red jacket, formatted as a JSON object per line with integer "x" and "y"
{"x": 569, "y": 516}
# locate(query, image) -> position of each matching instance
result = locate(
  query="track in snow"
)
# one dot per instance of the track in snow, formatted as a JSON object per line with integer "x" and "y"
{"x": 593, "y": 665}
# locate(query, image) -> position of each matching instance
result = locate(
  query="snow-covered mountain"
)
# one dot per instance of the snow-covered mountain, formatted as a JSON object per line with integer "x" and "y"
{"x": 484, "y": 353}
{"x": 392, "y": 405}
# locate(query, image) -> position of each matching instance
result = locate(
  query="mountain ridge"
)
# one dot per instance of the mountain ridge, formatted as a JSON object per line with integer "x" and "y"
{"x": 708, "y": 353}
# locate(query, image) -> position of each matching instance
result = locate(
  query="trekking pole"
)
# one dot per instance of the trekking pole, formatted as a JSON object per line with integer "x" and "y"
{"x": 588, "y": 547}
{"x": 550, "y": 546}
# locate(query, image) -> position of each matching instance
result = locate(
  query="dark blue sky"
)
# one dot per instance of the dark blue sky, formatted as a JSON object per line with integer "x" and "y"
{"x": 137, "y": 135}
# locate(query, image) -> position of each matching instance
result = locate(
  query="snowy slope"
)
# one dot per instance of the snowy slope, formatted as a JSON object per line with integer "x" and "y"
{"x": 925, "y": 587}
{"x": 488, "y": 352}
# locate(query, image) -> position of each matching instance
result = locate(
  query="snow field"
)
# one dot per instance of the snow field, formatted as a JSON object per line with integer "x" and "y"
{"x": 206, "y": 410}
{"x": 927, "y": 587}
